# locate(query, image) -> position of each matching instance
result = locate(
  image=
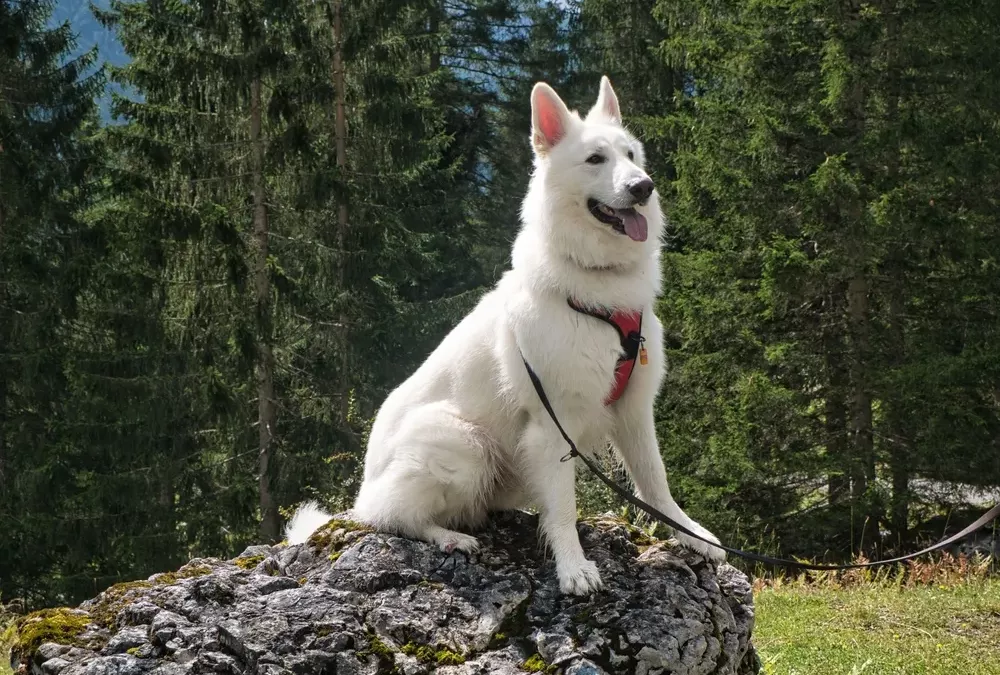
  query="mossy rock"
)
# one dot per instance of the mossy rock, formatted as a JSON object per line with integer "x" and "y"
{"x": 636, "y": 534}
{"x": 383, "y": 652}
{"x": 189, "y": 571}
{"x": 446, "y": 657}
{"x": 107, "y": 605}
{"x": 336, "y": 536}
{"x": 515, "y": 626}
{"x": 526, "y": 612}
{"x": 442, "y": 656}
{"x": 536, "y": 664}
{"x": 325, "y": 535}
{"x": 62, "y": 625}
{"x": 419, "y": 652}
{"x": 248, "y": 563}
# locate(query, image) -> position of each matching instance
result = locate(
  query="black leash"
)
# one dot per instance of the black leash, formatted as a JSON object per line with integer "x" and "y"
{"x": 982, "y": 521}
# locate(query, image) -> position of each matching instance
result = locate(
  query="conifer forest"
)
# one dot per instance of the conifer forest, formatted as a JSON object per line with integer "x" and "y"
{"x": 219, "y": 253}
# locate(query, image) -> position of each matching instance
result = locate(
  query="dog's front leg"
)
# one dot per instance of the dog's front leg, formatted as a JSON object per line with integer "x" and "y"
{"x": 553, "y": 489}
{"x": 634, "y": 437}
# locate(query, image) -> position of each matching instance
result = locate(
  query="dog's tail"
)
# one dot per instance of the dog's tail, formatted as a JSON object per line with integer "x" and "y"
{"x": 309, "y": 517}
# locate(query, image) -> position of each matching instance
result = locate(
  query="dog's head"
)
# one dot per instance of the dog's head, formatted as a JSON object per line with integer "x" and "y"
{"x": 593, "y": 168}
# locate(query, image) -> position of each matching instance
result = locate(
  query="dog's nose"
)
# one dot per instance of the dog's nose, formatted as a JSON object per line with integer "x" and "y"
{"x": 641, "y": 189}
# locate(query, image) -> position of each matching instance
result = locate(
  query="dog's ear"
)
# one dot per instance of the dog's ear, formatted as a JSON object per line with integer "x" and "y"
{"x": 607, "y": 104}
{"x": 550, "y": 118}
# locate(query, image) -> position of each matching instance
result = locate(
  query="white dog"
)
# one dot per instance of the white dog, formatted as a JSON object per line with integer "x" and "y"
{"x": 467, "y": 433}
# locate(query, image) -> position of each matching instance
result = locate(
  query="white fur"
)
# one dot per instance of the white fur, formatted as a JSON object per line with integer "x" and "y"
{"x": 309, "y": 517}
{"x": 466, "y": 433}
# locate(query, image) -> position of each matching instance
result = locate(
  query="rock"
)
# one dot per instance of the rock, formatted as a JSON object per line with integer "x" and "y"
{"x": 138, "y": 613}
{"x": 127, "y": 638}
{"x": 585, "y": 667}
{"x": 53, "y": 666}
{"x": 356, "y": 602}
{"x": 983, "y": 544}
{"x": 268, "y": 585}
{"x": 164, "y": 627}
{"x": 50, "y": 650}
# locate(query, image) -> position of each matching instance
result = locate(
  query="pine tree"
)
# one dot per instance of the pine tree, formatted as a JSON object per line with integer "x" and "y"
{"x": 46, "y": 113}
{"x": 806, "y": 167}
{"x": 624, "y": 42}
{"x": 535, "y": 46}
{"x": 307, "y": 151}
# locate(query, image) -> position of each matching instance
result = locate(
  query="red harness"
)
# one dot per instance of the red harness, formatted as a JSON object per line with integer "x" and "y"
{"x": 629, "y": 327}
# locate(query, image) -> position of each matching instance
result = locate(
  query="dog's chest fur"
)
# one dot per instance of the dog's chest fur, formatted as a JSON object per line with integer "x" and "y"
{"x": 593, "y": 353}
{"x": 576, "y": 353}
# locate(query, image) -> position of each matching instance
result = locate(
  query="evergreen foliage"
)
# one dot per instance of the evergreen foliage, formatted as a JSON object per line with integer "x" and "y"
{"x": 46, "y": 250}
{"x": 833, "y": 335}
{"x": 203, "y": 303}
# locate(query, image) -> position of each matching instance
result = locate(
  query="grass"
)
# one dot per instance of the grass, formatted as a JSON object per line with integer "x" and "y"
{"x": 6, "y": 638}
{"x": 879, "y": 628}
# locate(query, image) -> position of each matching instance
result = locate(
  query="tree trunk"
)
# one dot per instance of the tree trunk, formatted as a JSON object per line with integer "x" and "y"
{"x": 866, "y": 517}
{"x": 835, "y": 406}
{"x": 340, "y": 140}
{"x": 266, "y": 409}
{"x": 434, "y": 27}
{"x": 863, "y": 456}
{"x": 900, "y": 496}
{"x": 5, "y": 348}
{"x": 896, "y": 425}
{"x": 3, "y": 399}
{"x": 900, "y": 455}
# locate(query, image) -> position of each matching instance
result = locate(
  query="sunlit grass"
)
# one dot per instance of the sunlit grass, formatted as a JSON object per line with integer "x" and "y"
{"x": 879, "y": 628}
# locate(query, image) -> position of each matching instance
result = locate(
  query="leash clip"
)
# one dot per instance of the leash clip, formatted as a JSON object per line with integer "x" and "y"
{"x": 569, "y": 455}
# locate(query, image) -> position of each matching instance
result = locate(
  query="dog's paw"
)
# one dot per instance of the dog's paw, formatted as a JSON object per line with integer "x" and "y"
{"x": 581, "y": 579}
{"x": 456, "y": 541}
{"x": 707, "y": 551}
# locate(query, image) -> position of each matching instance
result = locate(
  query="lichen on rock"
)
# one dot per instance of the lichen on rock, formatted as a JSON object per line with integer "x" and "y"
{"x": 353, "y": 601}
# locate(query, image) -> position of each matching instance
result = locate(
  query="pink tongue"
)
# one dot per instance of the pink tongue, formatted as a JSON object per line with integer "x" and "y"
{"x": 635, "y": 224}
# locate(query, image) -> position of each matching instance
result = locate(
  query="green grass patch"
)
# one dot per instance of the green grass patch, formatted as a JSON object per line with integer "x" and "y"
{"x": 879, "y": 629}
{"x": 7, "y": 636}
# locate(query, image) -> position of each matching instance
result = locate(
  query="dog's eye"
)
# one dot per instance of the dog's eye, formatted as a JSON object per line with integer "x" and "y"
{"x": 596, "y": 159}
{"x": 631, "y": 155}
